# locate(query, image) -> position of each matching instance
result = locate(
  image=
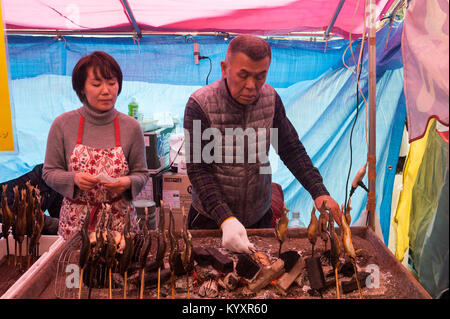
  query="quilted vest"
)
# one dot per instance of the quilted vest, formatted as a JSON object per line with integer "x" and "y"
{"x": 238, "y": 169}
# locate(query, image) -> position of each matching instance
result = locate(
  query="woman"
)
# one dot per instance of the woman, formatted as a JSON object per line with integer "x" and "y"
{"x": 95, "y": 155}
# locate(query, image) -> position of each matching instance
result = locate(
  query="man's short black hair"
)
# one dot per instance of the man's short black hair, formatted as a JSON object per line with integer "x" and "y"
{"x": 252, "y": 46}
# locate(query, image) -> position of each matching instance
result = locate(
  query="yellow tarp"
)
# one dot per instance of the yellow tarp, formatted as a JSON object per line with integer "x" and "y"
{"x": 6, "y": 130}
{"x": 401, "y": 219}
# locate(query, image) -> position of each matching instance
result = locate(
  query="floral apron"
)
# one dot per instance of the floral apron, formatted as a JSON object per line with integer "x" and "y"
{"x": 94, "y": 161}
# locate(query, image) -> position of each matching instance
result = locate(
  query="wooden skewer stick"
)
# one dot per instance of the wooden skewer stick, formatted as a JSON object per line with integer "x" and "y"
{"x": 337, "y": 282}
{"x": 81, "y": 283}
{"x": 172, "y": 279}
{"x": 15, "y": 253}
{"x": 141, "y": 296}
{"x": 110, "y": 288}
{"x": 159, "y": 279}
{"x": 187, "y": 285}
{"x": 125, "y": 285}
{"x": 357, "y": 281}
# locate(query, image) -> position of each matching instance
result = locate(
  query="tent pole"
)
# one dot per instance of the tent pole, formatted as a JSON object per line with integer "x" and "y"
{"x": 333, "y": 20}
{"x": 130, "y": 16}
{"x": 371, "y": 202}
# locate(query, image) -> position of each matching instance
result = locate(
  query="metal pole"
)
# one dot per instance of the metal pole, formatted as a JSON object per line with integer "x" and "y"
{"x": 371, "y": 202}
{"x": 131, "y": 17}
{"x": 333, "y": 20}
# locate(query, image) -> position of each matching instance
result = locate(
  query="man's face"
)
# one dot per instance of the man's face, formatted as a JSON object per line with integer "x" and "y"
{"x": 245, "y": 77}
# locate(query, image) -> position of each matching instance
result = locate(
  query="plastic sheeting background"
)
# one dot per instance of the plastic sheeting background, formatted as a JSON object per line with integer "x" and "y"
{"x": 319, "y": 94}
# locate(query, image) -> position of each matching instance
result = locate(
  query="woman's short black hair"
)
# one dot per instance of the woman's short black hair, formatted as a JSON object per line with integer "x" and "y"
{"x": 102, "y": 63}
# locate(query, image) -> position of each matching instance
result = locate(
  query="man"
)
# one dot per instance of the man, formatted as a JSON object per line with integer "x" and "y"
{"x": 232, "y": 193}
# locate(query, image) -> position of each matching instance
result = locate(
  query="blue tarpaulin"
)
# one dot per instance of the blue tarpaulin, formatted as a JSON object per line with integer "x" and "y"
{"x": 319, "y": 94}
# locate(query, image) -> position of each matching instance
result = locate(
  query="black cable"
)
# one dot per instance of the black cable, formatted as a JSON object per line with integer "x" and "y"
{"x": 210, "y": 66}
{"x": 351, "y": 135}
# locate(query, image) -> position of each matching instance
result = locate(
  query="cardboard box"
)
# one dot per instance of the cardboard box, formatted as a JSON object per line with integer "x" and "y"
{"x": 146, "y": 192}
{"x": 177, "y": 191}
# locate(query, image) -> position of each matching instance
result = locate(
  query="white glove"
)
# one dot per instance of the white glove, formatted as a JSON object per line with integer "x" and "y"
{"x": 234, "y": 236}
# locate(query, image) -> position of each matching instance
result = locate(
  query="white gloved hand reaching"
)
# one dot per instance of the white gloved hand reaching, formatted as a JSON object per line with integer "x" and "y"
{"x": 234, "y": 236}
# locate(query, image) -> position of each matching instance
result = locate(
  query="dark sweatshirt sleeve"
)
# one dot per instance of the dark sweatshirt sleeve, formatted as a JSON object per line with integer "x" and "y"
{"x": 293, "y": 153}
{"x": 200, "y": 174}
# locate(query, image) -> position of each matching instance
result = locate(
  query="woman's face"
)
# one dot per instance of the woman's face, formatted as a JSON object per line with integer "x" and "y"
{"x": 101, "y": 94}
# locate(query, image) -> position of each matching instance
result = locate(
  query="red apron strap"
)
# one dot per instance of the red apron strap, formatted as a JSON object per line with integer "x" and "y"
{"x": 80, "y": 129}
{"x": 117, "y": 131}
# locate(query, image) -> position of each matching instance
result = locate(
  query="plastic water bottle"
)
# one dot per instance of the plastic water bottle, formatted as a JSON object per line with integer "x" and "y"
{"x": 295, "y": 220}
{"x": 133, "y": 109}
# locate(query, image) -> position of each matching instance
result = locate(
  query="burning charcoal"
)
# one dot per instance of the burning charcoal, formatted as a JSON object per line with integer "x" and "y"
{"x": 246, "y": 266}
{"x": 209, "y": 289}
{"x": 261, "y": 258}
{"x": 151, "y": 279}
{"x": 231, "y": 281}
{"x": 288, "y": 278}
{"x": 220, "y": 261}
{"x": 347, "y": 269}
{"x": 349, "y": 286}
{"x": 290, "y": 258}
{"x": 315, "y": 273}
{"x": 267, "y": 275}
{"x": 201, "y": 256}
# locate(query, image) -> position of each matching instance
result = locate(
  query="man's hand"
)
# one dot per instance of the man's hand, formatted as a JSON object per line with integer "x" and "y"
{"x": 85, "y": 181}
{"x": 234, "y": 236}
{"x": 331, "y": 205}
{"x": 120, "y": 186}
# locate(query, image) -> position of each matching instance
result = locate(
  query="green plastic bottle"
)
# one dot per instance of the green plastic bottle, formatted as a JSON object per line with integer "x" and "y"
{"x": 133, "y": 109}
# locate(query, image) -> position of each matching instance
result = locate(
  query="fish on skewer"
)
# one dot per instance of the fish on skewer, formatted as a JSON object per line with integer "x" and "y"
{"x": 127, "y": 254}
{"x": 349, "y": 249}
{"x": 281, "y": 227}
{"x": 29, "y": 216}
{"x": 110, "y": 253}
{"x": 15, "y": 212}
{"x": 313, "y": 230}
{"x": 161, "y": 250}
{"x": 39, "y": 218}
{"x": 348, "y": 217}
{"x": 7, "y": 220}
{"x": 38, "y": 226}
{"x": 145, "y": 250}
{"x": 187, "y": 256}
{"x": 21, "y": 222}
{"x": 335, "y": 251}
{"x": 174, "y": 249}
{"x": 323, "y": 221}
{"x": 85, "y": 249}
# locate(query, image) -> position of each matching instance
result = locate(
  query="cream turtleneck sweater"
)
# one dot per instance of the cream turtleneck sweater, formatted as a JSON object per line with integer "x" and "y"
{"x": 98, "y": 133}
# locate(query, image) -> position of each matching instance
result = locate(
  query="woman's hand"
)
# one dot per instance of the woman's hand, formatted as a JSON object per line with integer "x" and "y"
{"x": 85, "y": 181}
{"x": 120, "y": 186}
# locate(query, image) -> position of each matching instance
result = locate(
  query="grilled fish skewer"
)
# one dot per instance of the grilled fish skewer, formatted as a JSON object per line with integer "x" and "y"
{"x": 161, "y": 251}
{"x": 313, "y": 229}
{"x": 173, "y": 249}
{"x": 7, "y": 220}
{"x": 335, "y": 251}
{"x": 145, "y": 250}
{"x": 350, "y": 250}
{"x": 187, "y": 253}
{"x": 281, "y": 227}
